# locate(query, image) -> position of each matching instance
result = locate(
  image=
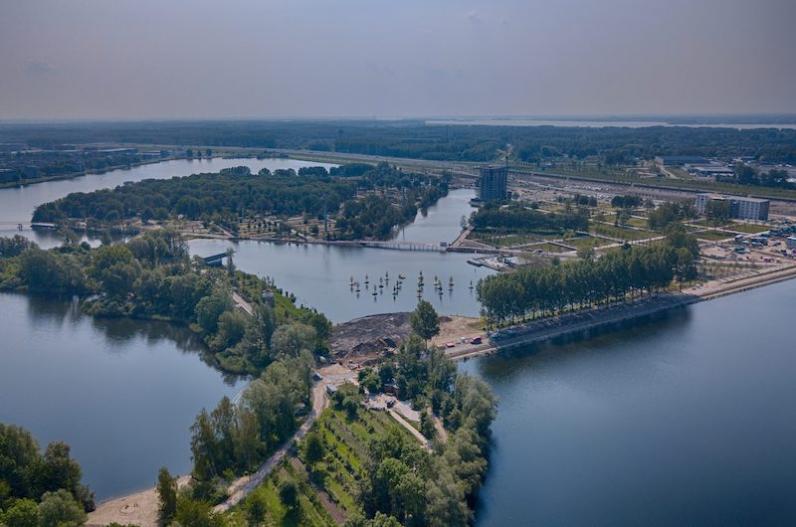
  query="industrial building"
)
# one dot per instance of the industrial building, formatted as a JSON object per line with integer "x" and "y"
{"x": 493, "y": 185}
{"x": 740, "y": 207}
{"x": 681, "y": 160}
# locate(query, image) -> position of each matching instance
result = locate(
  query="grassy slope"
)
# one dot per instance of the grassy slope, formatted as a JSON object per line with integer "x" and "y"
{"x": 338, "y": 474}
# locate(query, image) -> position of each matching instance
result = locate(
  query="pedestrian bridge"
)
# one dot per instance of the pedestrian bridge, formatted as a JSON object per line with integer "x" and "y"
{"x": 215, "y": 260}
{"x": 407, "y": 246}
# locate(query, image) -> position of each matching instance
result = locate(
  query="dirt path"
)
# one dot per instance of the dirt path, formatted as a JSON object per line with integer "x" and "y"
{"x": 141, "y": 508}
{"x": 412, "y": 430}
{"x": 242, "y": 487}
{"x": 242, "y": 304}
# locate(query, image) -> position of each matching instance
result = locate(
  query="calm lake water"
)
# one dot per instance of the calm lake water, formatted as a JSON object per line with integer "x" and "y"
{"x": 122, "y": 393}
{"x": 686, "y": 420}
{"x": 320, "y": 275}
{"x": 689, "y": 420}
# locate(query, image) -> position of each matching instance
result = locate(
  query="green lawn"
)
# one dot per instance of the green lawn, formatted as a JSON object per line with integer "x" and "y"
{"x": 621, "y": 233}
{"x": 510, "y": 240}
{"x": 748, "y": 228}
{"x": 552, "y": 248}
{"x": 713, "y": 235}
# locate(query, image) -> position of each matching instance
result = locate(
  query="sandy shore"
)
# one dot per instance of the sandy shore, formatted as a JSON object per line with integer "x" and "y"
{"x": 139, "y": 509}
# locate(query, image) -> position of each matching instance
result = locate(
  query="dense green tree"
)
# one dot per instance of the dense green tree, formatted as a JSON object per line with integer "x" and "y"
{"x": 619, "y": 273}
{"x": 167, "y": 496}
{"x": 22, "y": 513}
{"x": 288, "y": 494}
{"x": 313, "y": 448}
{"x": 49, "y": 272}
{"x": 14, "y": 246}
{"x": 293, "y": 339}
{"x": 255, "y": 510}
{"x": 59, "y": 509}
{"x": 425, "y": 321}
{"x": 210, "y": 308}
{"x": 231, "y": 329}
{"x": 196, "y": 514}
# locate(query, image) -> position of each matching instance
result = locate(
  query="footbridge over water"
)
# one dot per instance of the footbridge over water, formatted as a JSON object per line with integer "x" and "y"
{"x": 215, "y": 260}
{"x": 407, "y": 246}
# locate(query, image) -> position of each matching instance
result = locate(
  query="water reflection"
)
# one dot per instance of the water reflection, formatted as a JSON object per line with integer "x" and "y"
{"x": 516, "y": 362}
{"x": 687, "y": 419}
{"x": 123, "y": 393}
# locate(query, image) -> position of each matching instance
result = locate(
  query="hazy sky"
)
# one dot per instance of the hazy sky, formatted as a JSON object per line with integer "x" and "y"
{"x": 394, "y": 58}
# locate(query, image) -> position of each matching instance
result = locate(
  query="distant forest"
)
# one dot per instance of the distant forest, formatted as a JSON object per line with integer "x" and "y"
{"x": 415, "y": 139}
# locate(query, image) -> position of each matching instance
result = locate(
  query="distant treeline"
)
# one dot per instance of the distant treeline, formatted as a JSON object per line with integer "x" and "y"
{"x": 22, "y": 166}
{"x": 434, "y": 142}
{"x": 415, "y": 139}
{"x": 629, "y": 271}
{"x": 234, "y": 193}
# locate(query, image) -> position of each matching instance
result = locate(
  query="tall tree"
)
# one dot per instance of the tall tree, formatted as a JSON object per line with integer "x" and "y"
{"x": 425, "y": 321}
{"x": 167, "y": 496}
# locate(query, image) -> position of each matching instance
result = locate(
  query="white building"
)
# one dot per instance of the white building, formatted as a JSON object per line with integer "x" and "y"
{"x": 740, "y": 207}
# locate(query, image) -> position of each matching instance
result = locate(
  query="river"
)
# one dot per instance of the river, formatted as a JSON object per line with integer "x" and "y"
{"x": 686, "y": 420}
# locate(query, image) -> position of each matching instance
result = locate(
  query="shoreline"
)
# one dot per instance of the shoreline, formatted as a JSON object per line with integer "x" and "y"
{"x": 625, "y": 313}
{"x": 75, "y": 175}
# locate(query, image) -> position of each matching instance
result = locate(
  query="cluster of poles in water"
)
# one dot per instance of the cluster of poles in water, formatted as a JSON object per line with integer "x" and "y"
{"x": 377, "y": 288}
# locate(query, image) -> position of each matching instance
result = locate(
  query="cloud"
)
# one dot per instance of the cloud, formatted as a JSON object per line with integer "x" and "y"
{"x": 38, "y": 68}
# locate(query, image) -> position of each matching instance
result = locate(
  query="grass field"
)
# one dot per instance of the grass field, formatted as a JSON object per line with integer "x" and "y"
{"x": 309, "y": 512}
{"x": 511, "y": 240}
{"x": 713, "y": 235}
{"x": 552, "y": 248}
{"x": 619, "y": 232}
{"x": 747, "y": 228}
